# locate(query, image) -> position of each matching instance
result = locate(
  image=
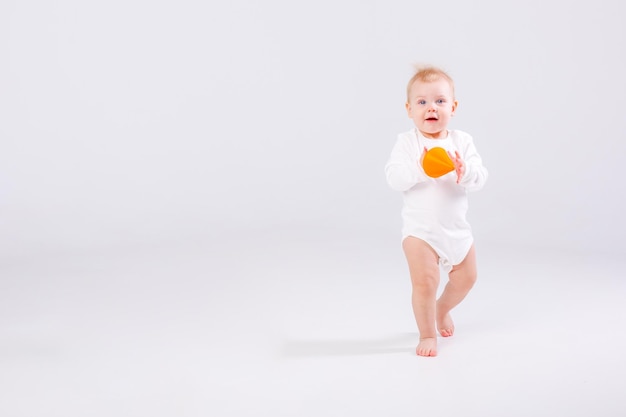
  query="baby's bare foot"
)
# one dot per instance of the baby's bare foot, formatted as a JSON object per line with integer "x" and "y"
{"x": 445, "y": 325}
{"x": 427, "y": 347}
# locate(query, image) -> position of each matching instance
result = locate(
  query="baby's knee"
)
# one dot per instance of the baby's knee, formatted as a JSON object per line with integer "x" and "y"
{"x": 426, "y": 280}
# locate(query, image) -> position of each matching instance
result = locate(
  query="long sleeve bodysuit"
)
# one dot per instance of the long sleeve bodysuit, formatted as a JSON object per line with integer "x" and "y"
{"x": 435, "y": 209}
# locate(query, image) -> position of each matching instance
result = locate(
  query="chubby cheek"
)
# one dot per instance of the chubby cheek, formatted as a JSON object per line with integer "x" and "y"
{"x": 421, "y": 116}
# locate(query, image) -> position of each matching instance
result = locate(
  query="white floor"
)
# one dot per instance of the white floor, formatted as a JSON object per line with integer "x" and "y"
{"x": 306, "y": 326}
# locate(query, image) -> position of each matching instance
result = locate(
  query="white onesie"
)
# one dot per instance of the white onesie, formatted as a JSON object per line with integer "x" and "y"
{"x": 435, "y": 208}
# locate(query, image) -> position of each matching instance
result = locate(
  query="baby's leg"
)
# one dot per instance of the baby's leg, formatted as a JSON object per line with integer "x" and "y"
{"x": 424, "y": 270}
{"x": 462, "y": 279}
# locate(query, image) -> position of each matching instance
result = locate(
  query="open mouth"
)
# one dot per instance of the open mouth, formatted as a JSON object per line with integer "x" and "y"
{"x": 432, "y": 119}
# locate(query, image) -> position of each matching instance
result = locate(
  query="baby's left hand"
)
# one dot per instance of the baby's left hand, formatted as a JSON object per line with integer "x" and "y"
{"x": 459, "y": 165}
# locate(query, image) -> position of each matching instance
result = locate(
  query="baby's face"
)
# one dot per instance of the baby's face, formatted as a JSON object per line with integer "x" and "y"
{"x": 430, "y": 106}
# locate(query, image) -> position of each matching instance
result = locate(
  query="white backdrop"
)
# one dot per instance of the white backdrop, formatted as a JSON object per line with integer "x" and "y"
{"x": 131, "y": 122}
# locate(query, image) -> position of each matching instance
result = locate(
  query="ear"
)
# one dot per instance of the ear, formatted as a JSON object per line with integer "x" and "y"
{"x": 455, "y": 104}
{"x": 407, "y": 106}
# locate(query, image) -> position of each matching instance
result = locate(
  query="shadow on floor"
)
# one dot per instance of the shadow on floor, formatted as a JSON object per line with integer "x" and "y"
{"x": 400, "y": 343}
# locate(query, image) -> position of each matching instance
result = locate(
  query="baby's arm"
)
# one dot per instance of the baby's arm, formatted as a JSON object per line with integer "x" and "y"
{"x": 403, "y": 170}
{"x": 474, "y": 173}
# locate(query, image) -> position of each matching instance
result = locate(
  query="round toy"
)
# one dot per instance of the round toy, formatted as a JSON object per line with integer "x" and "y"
{"x": 437, "y": 162}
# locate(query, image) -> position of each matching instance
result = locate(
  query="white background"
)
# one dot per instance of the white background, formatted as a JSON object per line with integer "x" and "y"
{"x": 194, "y": 219}
{"x": 132, "y": 122}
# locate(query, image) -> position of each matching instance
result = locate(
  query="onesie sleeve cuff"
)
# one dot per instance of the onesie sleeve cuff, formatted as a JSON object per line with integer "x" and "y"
{"x": 401, "y": 177}
{"x": 474, "y": 178}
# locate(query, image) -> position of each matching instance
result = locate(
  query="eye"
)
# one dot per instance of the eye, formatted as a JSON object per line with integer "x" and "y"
{"x": 441, "y": 101}
{"x": 421, "y": 102}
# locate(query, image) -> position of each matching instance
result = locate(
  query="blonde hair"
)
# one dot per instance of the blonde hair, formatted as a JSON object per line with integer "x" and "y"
{"x": 428, "y": 74}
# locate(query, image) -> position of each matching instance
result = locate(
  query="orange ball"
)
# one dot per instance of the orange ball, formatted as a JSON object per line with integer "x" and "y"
{"x": 437, "y": 162}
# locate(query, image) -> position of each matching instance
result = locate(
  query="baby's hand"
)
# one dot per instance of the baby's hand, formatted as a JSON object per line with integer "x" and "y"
{"x": 459, "y": 165}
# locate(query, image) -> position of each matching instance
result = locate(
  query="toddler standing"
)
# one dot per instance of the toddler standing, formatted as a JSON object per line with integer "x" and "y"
{"x": 435, "y": 231}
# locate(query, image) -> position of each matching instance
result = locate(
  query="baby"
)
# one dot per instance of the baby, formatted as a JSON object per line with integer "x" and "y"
{"x": 435, "y": 231}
